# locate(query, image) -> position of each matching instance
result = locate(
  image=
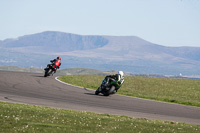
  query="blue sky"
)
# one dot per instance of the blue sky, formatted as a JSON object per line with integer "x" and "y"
{"x": 164, "y": 22}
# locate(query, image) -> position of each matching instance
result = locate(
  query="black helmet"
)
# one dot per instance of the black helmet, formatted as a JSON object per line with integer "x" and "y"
{"x": 59, "y": 58}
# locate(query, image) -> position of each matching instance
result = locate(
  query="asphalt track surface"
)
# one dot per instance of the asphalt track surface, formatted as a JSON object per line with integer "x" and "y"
{"x": 32, "y": 88}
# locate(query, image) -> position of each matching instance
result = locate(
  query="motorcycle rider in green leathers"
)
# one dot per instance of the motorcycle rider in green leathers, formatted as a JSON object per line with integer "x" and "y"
{"x": 118, "y": 77}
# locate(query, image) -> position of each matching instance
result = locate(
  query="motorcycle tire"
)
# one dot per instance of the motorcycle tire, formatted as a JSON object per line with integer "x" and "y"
{"x": 110, "y": 91}
{"x": 97, "y": 92}
{"x": 47, "y": 72}
{"x": 106, "y": 93}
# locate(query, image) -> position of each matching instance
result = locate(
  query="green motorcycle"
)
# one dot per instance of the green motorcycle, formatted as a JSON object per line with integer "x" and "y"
{"x": 108, "y": 86}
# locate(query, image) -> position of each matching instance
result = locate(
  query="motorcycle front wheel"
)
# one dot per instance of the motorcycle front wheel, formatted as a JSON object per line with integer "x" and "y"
{"x": 97, "y": 92}
{"x": 47, "y": 72}
{"x": 110, "y": 91}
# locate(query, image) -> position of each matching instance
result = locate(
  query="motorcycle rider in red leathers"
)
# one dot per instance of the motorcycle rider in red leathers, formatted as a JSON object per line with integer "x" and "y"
{"x": 56, "y": 62}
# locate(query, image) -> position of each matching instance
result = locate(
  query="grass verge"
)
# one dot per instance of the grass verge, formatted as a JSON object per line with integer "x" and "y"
{"x": 30, "y": 118}
{"x": 181, "y": 91}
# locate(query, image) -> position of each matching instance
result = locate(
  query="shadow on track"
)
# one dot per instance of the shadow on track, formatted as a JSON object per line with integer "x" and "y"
{"x": 39, "y": 76}
{"x": 92, "y": 94}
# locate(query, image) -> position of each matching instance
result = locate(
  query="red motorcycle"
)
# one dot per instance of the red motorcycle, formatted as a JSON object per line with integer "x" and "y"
{"x": 51, "y": 69}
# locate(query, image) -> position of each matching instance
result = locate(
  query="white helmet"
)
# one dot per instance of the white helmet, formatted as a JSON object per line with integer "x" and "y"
{"x": 121, "y": 73}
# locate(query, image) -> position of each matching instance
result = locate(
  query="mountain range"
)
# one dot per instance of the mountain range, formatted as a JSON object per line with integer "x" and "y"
{"x": 127, "y": 53}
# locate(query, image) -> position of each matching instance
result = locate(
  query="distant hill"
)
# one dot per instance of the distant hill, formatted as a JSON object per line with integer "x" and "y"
{"x": 127, "y": 53}
{"x": 54, "y": 42}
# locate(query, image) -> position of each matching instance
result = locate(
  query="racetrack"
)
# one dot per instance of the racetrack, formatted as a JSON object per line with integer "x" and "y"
{"x": 33, "y": 88}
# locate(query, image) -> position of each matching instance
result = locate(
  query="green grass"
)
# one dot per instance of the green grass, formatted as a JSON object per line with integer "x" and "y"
{"x": 30, "y": 118}
{"x": 181, "y": 91}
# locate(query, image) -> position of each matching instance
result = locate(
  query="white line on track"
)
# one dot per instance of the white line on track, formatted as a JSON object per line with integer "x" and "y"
{"x": 71, "y": 84}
